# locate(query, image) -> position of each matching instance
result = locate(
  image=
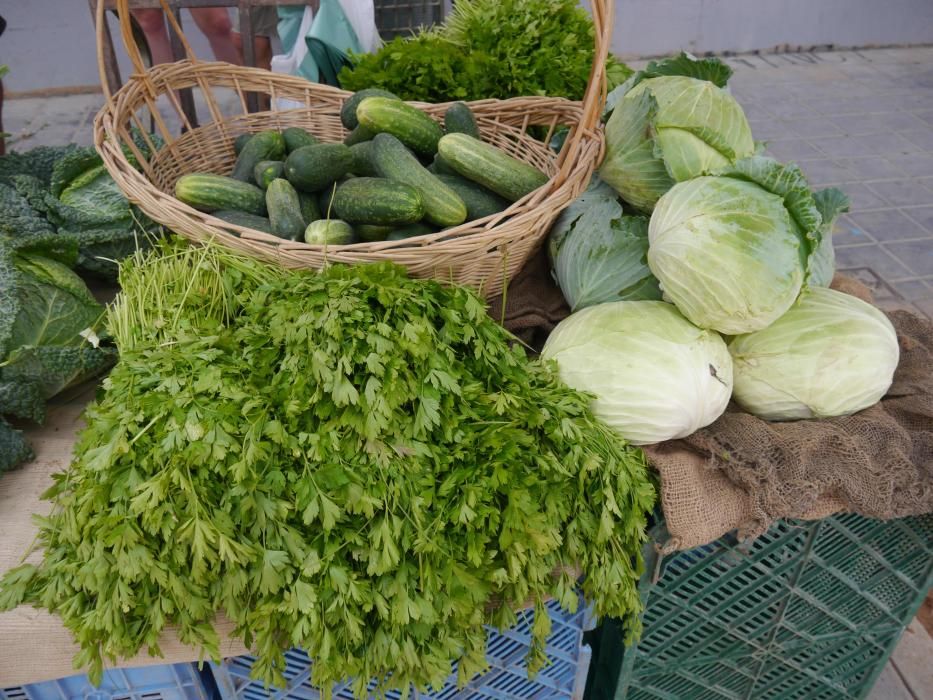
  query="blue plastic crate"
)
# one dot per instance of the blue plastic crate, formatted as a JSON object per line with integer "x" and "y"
{"x": 507, "y": 678}
{"x": 168, "y": 682}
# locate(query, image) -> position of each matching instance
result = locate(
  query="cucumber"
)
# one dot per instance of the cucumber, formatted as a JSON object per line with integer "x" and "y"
{"x": 325, "y": 201}
{"x": 442, "y": 206}
{"x": 284, "y": 210}
{"x": 439, "y": 167}
{"x": 359, "y": 135}
{"x": 312, "y": 168}
{"x": 408, "y": 124}
{"x": 329, "y": 232}
{"x": 362, "y": 159}
{"x": 266, "y": 145}
{"x": 459, "y": 119}
{"x": 212, "y": 192}
{"x": 348, "y": 110}
{"x": 296, "y": 137}
{"x": 241, "y": 218}
{"x": 411, "y": 231}
{"x": 479, "y": 201}
{"x": 240, "y": 141}
{"x": 491, "y": 167}
{"x": 310, "y": 211}
{"x": 371, "y": 232}
{"x": 375, "y": 200}
{"x": 266, "y": 171}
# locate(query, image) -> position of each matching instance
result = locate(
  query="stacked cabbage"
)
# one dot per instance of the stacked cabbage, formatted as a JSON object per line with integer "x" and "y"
{"x": 737, "y": 244}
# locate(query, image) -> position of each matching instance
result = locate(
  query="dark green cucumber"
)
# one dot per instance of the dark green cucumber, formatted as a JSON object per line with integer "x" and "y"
{"x": 284, "y": 210}
{"x": 213, "y": 192}
{"x": 359, "y": 135}
{"x": 411, "y": 231}
{"x": 312, "y": 168}
{"x": 296, "y": 137}
{"x": 362, "y": 159}
{"x": 241, "y": 141}
{"x": 310, "y": 211}
{"x": 348, "y": 110}
{"x": 372, "y": 232}
{"x": 459, "y": 119}
{"x": 439, "y": 167}
{"x": 479, "y": 201}
{"x": 266, "y": 145}
{"x": 491, "y": 167}
{"x": 442, "y": 206}
{"x": 266, "y": 171}
{"x": 325, "y": 199}
{"x": 241, "y": 218}
{"x": 329, "y": 232}
{"x": 408, "y": 124}
{"x": 376, "y": 200}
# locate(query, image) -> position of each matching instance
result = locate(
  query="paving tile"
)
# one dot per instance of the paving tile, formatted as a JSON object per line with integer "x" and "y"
{"x": 825, "y": 172}
{"x": 917, "y": 256}
{"x": 793, "y": 150}
{"x": 871, "y": 168}
{"x": 789, "y": 109}
{"x": 846, "y": 232}
{"x": 925, "y": 115}
{"x": 857, "y": 124}
{"x": 915, "y": 290}
{"x": 903, "y": 192}
{"x": 888, "y": 225}
{"x": 877, "y": 259}
{"x": 916, "y": 164}
{"x": 768, "y": 129}
{"x": 885, "y": 144}
{"x": 812, "y": 126}
{"x": 880, "y": 290}
{"x": 923, "y": 216}
{"x": 922, "y": 138}
{"x": 862, "y": 197}
{"x": 926, "y": 307}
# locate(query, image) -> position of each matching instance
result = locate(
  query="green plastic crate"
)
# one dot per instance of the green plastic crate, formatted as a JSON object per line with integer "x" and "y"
{"x": 808, "y": 611}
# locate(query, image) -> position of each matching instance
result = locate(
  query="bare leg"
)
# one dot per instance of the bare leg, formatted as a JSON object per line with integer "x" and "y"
{"x": 214, "y": 23}
{"x": 262, "y": 50}
{"x": 153, "y": 25}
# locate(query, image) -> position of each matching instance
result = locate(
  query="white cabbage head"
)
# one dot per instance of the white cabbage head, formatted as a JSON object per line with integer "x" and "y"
{"x": 655, "y": 376}
{"x": 830, "y": 355}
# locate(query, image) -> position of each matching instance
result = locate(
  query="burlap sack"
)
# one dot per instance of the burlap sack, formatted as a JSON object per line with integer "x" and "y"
{"x": 742, "y": 473}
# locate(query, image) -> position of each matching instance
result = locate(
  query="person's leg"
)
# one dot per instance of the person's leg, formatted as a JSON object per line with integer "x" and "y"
{"x": 153, "y": 25}
{"x": 262, "y": 45}
{"x": 214, "y": 23}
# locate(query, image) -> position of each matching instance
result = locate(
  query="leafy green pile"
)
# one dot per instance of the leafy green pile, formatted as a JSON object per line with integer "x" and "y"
{"x": 68, "y": 190}
{"x": 351, "y": 462}
{"x": 488, "y": 48}
{"x": 45, "y": 309}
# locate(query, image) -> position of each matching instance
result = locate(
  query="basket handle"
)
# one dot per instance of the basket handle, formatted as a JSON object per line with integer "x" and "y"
{"x": 595, "y": 97}
{"x": 126, "y": 32}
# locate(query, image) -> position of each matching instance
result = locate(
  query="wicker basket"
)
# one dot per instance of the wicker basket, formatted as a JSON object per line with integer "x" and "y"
{"x": 483, "y": 253}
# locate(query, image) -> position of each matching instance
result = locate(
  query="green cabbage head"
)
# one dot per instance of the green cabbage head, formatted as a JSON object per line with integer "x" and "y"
{"x": 830, "y": 355}
{"x": 655, "y": 376}
{"x": 669, "y": 129}
{"x": 732, "y": 251}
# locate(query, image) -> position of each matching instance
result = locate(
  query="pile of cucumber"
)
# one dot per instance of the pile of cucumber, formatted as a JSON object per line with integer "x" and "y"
{"x": 397, "y": 174}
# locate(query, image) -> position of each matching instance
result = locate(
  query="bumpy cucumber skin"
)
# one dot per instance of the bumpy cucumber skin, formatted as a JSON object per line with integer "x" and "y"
{"x": 410, "y": 231}
{"x": 296, "y": 137}
{"x": 329, "y": 232}
{"x": 348, "y": 110}
{"x": 266, "y": 171}
{"x": 479, "y": 201}
{"x": 310, "y": 211}
{"x": 266, "y": 145}
{"x": 459, "y": 119}
{"x": 491, "y": 167}
{"x": 284, "y": 210}
{"x": 442, "y": 206}
{"x": 241, "y": 218}
{"x": 374, "y": 200}
{"x": 313, "y": 168}
{"x": 241, "y": 141}
{"x": 371, "y": 232}
{"x": 209, "y": 192}
{"x": 408, "y": 124}
{"x": 362, "y": 160}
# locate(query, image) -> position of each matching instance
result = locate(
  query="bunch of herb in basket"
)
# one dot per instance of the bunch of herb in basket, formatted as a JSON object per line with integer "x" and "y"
{"x": 352, "y": 462}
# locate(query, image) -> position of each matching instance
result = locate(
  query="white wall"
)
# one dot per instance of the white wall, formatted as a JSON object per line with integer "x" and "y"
{"x": 658, "y": 27}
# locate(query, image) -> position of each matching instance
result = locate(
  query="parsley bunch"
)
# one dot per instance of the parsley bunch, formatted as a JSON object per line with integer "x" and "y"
{"x": 352, "y": 462}
{"x": 486, "y": 48}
